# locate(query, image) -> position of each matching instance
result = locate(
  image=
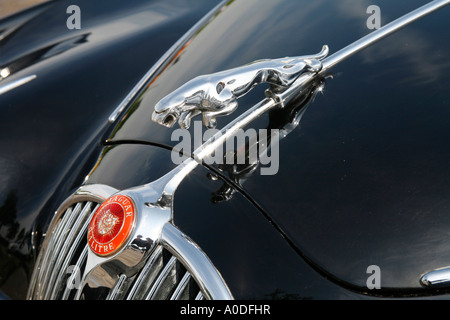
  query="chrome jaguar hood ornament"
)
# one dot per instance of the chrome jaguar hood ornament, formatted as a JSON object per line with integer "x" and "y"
{"x": 216, "y": 94}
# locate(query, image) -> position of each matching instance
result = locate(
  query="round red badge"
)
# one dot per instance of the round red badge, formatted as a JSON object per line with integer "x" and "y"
{"x": 111, "y": 225}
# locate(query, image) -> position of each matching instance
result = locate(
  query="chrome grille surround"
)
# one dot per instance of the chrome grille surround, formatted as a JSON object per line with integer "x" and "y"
{"x": 174, "y": 268}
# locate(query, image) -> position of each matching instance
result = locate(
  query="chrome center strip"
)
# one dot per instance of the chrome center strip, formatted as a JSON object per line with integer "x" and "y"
{"x": 165, "y": 59}
{"x": 16, "y": 83}
{"x": 436, "y": 278}
{"x": 381, "y": 33}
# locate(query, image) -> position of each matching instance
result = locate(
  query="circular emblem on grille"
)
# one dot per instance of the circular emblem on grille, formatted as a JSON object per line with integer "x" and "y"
{"x": 111, "y": 225}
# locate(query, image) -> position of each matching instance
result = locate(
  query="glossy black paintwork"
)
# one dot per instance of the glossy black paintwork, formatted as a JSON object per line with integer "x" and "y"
{"x": 363, "y": 180}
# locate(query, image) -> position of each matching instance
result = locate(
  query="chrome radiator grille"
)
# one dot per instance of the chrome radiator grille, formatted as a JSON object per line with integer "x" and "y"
{"x": 163, "y": 277}
{"x": 175, "y": 269}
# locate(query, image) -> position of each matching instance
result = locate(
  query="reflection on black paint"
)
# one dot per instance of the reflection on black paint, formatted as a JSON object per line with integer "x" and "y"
{"x": 285, "y": 120}
{"x": 8, "y": 213}
{"x": 44, "y": 53}
{"x": 11, "y": 238}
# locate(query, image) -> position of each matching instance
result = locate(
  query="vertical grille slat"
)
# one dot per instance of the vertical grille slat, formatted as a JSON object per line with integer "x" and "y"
{"x": 163, "y": 277}
{"x": 147, "y": 275}
{"x": 155, "y": 292}
{"x": 182, "y": 288}
{"x": 54, "y": 250}
{"x": 117, "y": 288}
{"x": 43, "y": 265}
{"x": 55, "y": 236}
{"x": 76, "y": 272}
{"x": 78, "y": 235}
{"x": 199, "y": 296}
{"x": 73, "y": 229}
